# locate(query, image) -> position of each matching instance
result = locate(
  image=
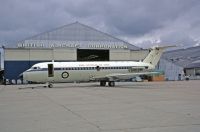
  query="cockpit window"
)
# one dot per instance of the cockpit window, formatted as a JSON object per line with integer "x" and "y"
{"x": 35, "y": 68}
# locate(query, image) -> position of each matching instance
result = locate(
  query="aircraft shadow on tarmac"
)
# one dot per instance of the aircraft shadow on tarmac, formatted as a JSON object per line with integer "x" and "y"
{"x": 89, "y": 86}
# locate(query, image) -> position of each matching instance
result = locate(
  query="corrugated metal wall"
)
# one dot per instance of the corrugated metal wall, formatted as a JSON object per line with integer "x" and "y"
{"x": 119, "y": 54}
{"x": 138, "y": 55}
{"x": 18, "y": 60}
{"x": 126, "y": 55}
{"x": 171, "y": 70}
{"x": 40, "y": 54}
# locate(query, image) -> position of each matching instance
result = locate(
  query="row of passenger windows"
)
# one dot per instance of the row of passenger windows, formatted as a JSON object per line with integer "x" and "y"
{"x": 91, "y": 68}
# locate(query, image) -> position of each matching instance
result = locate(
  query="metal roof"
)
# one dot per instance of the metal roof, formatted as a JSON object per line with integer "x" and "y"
{"x": 78, "y": 33}
{"x": 187, "y": 58}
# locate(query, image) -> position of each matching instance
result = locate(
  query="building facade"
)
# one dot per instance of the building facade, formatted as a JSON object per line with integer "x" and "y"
{"x": 181, "y": 64}
{"x": 79, "y": 42}
{"x": 73, "y": 42}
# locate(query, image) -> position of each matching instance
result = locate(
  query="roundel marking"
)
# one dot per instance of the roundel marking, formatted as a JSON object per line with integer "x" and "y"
{"x": 65, "y": 75}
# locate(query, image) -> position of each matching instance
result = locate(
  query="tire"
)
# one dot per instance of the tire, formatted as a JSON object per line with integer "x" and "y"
{"x": 111, "y": 83}
{"x": 50, "y": 85}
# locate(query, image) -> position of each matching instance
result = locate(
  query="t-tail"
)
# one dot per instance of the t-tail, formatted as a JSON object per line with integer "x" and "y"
{"x": 154, "y": 55}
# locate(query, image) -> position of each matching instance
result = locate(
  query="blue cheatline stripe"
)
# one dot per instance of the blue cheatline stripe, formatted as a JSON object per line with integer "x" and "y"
{"x": 82, "y": 68}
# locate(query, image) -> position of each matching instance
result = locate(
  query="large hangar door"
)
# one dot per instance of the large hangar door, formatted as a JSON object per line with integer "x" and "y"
{"x": 92, "y": 55}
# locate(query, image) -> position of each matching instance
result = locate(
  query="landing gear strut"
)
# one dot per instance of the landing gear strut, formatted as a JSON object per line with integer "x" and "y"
{"x": 102, "y": 83}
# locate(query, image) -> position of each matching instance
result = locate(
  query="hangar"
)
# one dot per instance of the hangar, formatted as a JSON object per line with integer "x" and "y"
{"x": 72, "y": 42}
{"x": 79, "y": 42}
{"x": 181, "y": 63}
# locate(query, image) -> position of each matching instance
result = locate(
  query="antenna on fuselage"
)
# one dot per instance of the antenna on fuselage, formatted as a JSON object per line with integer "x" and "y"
{"x": 52, "y": 55}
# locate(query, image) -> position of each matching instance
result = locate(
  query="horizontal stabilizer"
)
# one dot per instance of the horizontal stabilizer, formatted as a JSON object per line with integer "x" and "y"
{"x": 154, "y": 55}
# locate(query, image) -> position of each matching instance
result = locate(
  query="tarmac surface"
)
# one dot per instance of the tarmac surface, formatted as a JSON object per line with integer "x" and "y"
{"x": 87, "y": 107}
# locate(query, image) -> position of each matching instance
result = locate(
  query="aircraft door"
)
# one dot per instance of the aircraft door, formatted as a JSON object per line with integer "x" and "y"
{"x": 50, "y": 70}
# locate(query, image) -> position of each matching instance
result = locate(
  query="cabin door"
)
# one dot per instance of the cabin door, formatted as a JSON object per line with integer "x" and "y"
{"x": 50, "y": 70}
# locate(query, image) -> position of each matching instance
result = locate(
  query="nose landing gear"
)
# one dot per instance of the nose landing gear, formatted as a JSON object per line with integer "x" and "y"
{"x": 111, "y": 83}
{"x": 50, "y": 85}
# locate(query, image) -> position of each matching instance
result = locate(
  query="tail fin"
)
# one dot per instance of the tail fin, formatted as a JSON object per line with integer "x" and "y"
{"x": 154, "y": 56}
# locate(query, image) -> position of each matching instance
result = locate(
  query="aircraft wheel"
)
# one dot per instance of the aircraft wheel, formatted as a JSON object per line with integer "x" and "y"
{"x": 50, "y": 85}
{"x": 111, "y": 83}
{"x": 102, "y": 83}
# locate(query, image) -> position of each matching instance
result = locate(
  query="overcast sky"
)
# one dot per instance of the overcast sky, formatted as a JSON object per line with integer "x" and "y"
{"x": 140, "y": 22}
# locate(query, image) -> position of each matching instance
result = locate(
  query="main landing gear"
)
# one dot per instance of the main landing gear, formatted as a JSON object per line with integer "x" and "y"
{"x": 110, "y": 83}
{"x": 102, "y": 83}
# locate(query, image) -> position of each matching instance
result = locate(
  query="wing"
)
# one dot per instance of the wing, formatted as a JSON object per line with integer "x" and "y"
{"x": 122, "y": 76}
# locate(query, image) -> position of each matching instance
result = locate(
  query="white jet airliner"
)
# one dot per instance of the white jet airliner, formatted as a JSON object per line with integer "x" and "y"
{"x": 102, "y": 71}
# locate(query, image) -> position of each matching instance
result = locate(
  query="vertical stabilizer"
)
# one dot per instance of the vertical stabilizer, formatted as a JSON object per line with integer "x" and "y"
{"x": 154, "y": 56}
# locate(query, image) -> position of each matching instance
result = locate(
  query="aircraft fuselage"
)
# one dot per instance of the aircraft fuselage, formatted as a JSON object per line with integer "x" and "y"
{"x": 80, "y": 71}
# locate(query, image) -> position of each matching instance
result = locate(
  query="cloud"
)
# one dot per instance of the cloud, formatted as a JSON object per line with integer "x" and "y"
{"x": 139, "y": 22}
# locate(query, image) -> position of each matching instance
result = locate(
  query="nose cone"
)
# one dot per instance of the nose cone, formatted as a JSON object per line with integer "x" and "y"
{"x": 23, "y": 75}
{"x": 20, "y": 76}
